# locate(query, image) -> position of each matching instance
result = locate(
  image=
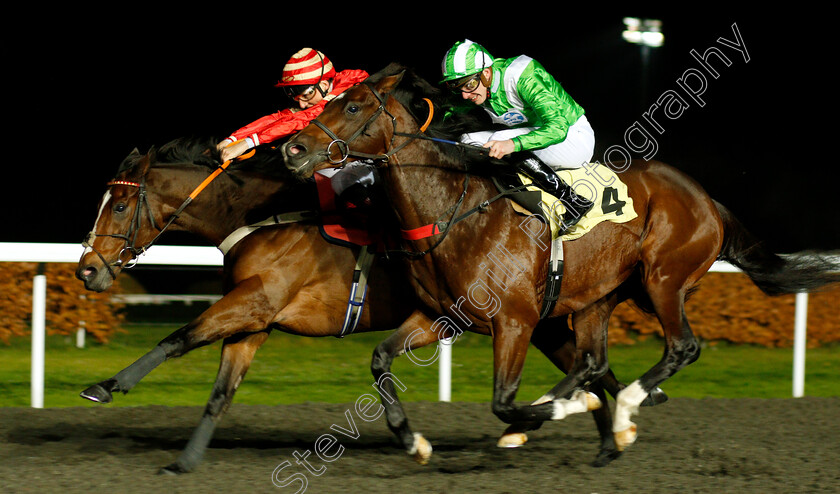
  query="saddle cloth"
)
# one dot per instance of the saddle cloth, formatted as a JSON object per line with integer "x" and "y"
{"x": 595, "y": 182}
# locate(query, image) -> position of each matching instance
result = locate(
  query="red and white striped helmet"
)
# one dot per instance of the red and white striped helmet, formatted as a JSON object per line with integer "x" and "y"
{"x": 305, "y": 68}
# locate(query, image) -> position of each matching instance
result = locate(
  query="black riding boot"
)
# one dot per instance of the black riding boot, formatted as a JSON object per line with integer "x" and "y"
{"x": 544, "y": 177}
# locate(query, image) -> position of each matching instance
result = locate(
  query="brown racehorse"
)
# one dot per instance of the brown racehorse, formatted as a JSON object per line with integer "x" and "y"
{"x": 678, "y": 234}
{"x": 284, "y": 277}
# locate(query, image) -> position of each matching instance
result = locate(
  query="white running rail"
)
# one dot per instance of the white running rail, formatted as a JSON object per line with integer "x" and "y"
{"x": 210, "y": 256}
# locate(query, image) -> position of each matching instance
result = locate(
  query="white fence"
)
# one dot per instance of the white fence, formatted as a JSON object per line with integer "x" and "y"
{"x": 210, "y": 256}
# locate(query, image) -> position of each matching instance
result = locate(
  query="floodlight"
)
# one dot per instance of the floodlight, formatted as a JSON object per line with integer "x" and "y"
{"x": 645, "y": 32}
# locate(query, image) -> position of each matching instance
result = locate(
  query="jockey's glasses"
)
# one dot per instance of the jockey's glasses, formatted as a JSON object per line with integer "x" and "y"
{"x": 466, "y": 84}
{"x": 300, "y": 93}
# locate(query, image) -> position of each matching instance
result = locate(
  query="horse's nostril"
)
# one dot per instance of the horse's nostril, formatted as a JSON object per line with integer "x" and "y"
{"x": 295, "y": 149}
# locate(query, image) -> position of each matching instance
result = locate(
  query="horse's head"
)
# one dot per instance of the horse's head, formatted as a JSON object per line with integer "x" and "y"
{"x": 360, "y": 122}
{"x": 122, "y": 225}
{"x": 151, "y": 192}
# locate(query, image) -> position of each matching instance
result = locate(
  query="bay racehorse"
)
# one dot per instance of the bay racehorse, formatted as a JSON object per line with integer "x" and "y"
{"x": 285, "y": 277}
{"x": 435, "y": 185}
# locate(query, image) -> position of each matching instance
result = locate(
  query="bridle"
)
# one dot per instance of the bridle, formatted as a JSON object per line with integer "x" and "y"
{"x": 130, "y": 237}
{"x": 343, "y": 145}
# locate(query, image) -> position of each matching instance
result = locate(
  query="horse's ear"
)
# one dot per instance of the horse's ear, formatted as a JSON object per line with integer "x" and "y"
{"x": 387, "y": 84}
{"x": 130, "y": 161}
{"x": 152, "y": 155}
{"x": 142, "y": 164}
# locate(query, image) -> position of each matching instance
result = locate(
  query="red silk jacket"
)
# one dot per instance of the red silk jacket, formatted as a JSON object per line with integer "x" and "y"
{"x": 285, "y": 122}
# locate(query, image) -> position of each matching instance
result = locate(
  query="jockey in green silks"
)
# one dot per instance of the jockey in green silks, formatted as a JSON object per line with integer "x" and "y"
{"x": 547, "y": 128}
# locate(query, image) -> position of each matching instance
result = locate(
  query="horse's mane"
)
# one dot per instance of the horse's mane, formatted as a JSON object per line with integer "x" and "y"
{"x": 202, "y": 151}
{"x": 450, "y": 120}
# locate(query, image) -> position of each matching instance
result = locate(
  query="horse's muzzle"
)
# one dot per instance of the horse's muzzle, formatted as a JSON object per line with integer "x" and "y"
{"x": 96, "y": 276}
{"x": 298, "y": 159}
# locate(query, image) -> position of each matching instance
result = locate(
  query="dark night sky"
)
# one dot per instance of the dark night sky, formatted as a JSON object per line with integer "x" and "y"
{"x": 96, "y": 89}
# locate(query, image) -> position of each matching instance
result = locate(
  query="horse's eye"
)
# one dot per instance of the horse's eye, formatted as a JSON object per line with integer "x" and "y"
{"x": 353, "y": 109}
{"x": 120, "y": 207}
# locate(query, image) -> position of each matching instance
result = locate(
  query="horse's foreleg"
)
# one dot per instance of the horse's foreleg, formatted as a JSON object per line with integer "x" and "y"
{"x": 237, "y": 353}
{"x": 554, "y": 339}
{"x": 205, "y": 329}
{"x": 510, "y": 344}
{"x": 102, "y": 392}
{"x": 174, "y": 345}
{"x": 414, "y": 333}
{"x": 590, "y": 362}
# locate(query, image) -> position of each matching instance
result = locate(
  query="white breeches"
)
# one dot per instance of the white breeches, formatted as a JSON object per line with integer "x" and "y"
{"x": 576, "y": 150}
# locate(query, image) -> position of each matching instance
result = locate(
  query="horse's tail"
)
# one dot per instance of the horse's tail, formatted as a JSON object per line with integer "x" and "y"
{"x": 774, "y": 274}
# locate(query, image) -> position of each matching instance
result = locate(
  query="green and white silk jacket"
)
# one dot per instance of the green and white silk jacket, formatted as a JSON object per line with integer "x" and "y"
{"x": 524, "y": 94}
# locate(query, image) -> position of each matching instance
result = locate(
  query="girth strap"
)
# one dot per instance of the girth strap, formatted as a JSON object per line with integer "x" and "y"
{"x": 277, "y": 219}
{"x": 555, "y": 277}
{"x": 358, "y": 290}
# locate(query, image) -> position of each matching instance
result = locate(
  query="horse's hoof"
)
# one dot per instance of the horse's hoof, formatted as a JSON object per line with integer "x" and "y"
{"x": 512, "y": 440}
{"x": 605, "y": 457}
{"x": 655, "y": 397}
{"x": 172, "y": 469}
{"x": 421, "y": 451}
{"x": 625, "y": 438}
{"x": 592, "y": 402}
{"x": 543, "y": 399}
{"x": 97, "y": 393}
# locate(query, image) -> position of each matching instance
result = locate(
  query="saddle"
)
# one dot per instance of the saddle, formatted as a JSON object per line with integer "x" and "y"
{"x": 609, "y": 194}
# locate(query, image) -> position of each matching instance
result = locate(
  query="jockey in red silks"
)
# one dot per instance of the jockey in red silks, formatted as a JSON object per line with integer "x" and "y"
{"x": 310, "y": 80}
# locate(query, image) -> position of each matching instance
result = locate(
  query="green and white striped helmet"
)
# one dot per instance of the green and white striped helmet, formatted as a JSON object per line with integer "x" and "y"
{"x": 465, "y": 58}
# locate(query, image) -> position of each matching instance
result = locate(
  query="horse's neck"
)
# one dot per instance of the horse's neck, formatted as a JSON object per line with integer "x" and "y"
{"x": 424, "y": 194}
{"x": 220, "y": 208}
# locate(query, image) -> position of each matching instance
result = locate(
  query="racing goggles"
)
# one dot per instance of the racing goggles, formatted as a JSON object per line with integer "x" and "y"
{"x": 466, "y": 84}
{"x": 301, "y": 93}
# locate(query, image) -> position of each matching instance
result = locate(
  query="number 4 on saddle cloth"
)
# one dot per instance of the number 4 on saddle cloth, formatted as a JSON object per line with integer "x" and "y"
{"x": 596, "y": 182}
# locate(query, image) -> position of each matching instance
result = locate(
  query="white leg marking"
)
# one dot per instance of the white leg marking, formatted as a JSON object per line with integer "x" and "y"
{"x": 581, "y": 401}
{"x": 626, "y": 405}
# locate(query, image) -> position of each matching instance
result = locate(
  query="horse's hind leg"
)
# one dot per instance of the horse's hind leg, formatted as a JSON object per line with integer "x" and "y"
{"x": 667, "y": 282}
{"x": 557, "y": 341}
{"x": 681, "y": 349}
{"x": 237, "y": 353}
{"x": 416, "y": 332}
